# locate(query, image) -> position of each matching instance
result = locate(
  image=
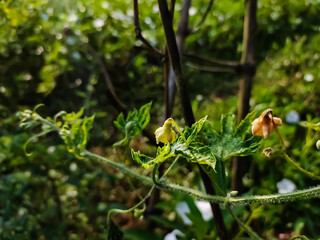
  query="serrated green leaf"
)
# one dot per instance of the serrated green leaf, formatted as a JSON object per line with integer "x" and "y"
{"x": 145, "y": 161}
{"x": 75, "y": 131}
{"x": 192, "y": 151}
{"x": 243, "y": 128}
{"x": 120, "y": 123}
{"x": 142, "y": 159}
{"x": 232, "y": 141}
{"x": 113, "y": 232}
{"x": 191, "y": 133}
{"x": 134, "y": 124}
{"x": 144, "y": 115}
{"x": 132, "y": 129}
{"x": 197, "y": 153}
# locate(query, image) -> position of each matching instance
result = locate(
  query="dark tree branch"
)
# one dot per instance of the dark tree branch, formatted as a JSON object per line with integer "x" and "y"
{"x": 172, "y": 5}
{"x": 211, "y": 69}
{"x": 180, "y": 39}
{"x": 213, "y": 60}
{"x": 175, "y": 62}
{"x": 204, "y": 16}
{"x": 138, "y": 32}
{"x": 247, "y": 59}
{"x": 185, "y": 101}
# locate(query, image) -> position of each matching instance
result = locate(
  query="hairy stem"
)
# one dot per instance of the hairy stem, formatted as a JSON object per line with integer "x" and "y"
{"x": 313, "y": 192}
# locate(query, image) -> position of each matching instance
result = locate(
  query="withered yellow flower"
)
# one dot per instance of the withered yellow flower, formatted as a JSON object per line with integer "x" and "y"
{"x": 165, "y": 134}
{"x": 265, "y": 124}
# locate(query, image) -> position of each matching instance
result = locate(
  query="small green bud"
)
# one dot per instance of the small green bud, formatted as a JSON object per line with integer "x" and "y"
{"x": 138, "y": 213}
{"x": 318, "y": 144}
{"x": 232, "y": 194}
{"x": 129, "y": 126}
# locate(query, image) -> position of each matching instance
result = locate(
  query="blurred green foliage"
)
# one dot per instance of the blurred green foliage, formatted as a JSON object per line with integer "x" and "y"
{"x": 45, "y": 58}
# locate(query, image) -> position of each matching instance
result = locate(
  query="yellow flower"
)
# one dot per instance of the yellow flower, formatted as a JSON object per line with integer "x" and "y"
{"x": 165, "y": 133}
{"x": 265, "y": 124}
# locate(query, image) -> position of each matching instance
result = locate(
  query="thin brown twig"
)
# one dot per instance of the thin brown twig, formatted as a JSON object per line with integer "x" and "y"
{"x": 210, "y": 69}
{"x": 212, "y": 60}
{"x": 121, "y": 106}
{"x": 138, "y": 31}
{"x": 204, "y": 16}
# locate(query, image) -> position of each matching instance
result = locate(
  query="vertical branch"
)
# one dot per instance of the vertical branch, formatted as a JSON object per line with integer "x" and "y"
{"x": 185, "y": 101}
{"x": 204, "y": 16}
{"x": 175, "y": 62}
{"x": 181, "y": 36}
{"x": 166, "y": 72}
{"x": 247, "y": 58}
{"x": 248, "y": 71}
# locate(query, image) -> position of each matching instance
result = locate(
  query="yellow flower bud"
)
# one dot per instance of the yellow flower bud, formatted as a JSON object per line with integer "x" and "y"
{"x": 265, "y": 124}
{"x": 165, "y": 134}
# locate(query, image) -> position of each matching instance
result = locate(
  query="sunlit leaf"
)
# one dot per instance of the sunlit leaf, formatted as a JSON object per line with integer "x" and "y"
{"x": 232, "y": 141}
{"x": 191, "y": 133}
{"x": 192, "y": 151}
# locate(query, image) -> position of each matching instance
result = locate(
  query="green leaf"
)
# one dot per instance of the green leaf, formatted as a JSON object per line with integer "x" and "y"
{"x": 191, "y": 133}
{"x": 232, "y": 141}
{"x": 113, "y": 232}
{"x": 314, "y": 126}
{"x": 134, "y": 124}
{"x": 120, "y": 123}
{"x": 144, "y": 115}
{"x": 197, "y": 153}
{"x": 142, "y": 159}
{"x": 145, "y": 161}
{"x": 192, "y": 151}
{"x": 75, "y": 131}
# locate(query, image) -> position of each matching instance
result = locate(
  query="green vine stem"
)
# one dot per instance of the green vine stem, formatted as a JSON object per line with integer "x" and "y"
{"x": 291, "y": 161}
{"x": 246, "y": 228}
{"x": 309, "y": 174}
{"x": 142, "y": 201}
{"x": 248, "y": 222}
{"x": 313, "y": 192}
{"x": 121, "y": 211}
